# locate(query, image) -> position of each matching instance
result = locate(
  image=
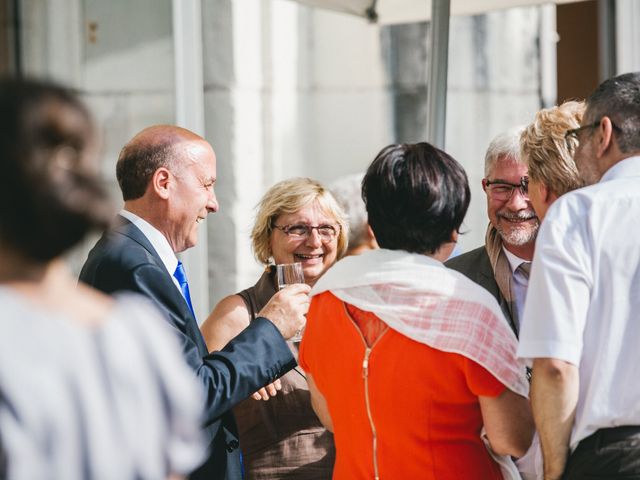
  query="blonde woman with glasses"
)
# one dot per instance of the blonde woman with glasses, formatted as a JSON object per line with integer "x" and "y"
{"x": 298, "y": 220}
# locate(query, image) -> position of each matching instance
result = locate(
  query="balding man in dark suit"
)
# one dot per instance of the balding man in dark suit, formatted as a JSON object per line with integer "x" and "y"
{"x": 167, "y": 175}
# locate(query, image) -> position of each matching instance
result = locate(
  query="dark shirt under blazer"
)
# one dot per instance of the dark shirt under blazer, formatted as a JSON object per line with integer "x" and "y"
{"x": 124, "y": 259}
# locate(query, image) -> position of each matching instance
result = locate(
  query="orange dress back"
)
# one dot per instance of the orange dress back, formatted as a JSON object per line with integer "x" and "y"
{"x": 412, "y": 407}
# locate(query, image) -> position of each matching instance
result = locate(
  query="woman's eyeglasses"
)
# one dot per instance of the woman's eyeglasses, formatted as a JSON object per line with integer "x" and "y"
{"x": 327, "y": 233}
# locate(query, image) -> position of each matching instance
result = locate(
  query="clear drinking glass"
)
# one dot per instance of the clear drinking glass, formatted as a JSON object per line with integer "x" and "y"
{"x": 287, "y": 274}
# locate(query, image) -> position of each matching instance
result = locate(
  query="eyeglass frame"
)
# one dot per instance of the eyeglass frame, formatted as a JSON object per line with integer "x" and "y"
{"x": 573, "y": 132}
{"x": 523, "y": 186}
{"x": 309, "y": 228}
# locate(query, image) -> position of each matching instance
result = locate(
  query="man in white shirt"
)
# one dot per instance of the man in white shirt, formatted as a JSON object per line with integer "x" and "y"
{"x": 580, "y": 324}
{"x": 501, "y": 266}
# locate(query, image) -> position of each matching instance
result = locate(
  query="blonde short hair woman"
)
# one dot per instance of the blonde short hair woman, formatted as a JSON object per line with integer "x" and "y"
{"x": 298, "y": 220}
{"x": 288, "y": 197}
{"x": 547, "y": 146}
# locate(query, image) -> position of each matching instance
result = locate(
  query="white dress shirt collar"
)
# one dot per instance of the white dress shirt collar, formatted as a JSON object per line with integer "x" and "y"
{"x": 514, "y": 260}
{"x": 629, "y": 167}
{"x": 158, "y": 241}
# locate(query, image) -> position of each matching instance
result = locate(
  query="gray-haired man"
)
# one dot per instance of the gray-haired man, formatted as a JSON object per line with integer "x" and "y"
{"x": 502, "y": 265}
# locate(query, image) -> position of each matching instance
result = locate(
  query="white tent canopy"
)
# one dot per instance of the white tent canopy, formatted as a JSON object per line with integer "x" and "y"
{"x": 407, "y": 11}
{"x": 438, "y": 11}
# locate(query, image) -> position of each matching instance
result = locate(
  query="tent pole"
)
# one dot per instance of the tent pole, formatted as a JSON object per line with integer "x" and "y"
{"x": 437, "y": 87}
{"x": 189, "y": 97}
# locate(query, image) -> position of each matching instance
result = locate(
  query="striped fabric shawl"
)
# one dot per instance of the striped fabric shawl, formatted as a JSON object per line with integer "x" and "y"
{"x": 422, "y": 299}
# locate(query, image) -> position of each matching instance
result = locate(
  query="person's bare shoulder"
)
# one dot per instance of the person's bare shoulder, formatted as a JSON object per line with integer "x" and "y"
{"x": 229, "y": 317}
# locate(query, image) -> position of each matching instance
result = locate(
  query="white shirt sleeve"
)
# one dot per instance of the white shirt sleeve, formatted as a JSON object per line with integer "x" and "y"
{"x": 560, "y": 285}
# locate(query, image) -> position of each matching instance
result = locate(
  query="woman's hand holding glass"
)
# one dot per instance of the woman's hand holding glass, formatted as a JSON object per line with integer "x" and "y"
{"x": 265, "y": 393}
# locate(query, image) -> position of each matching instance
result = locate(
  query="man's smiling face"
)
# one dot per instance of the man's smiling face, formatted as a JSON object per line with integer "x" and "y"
{"x": 192, "y": 194}
{"x": 514, "y": 218}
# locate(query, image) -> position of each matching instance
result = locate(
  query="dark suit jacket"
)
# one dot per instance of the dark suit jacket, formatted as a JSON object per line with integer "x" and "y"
{"x": 123, "y": 259}
{"x": 477, "y": 267}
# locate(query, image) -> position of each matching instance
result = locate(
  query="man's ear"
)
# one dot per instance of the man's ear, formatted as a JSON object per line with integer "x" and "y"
{"x": 454, "y": 236}
{"x": 605, "y": 136}
{"x": 160, "y": 182}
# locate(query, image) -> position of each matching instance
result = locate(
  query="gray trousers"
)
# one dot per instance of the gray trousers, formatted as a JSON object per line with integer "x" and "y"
{"x": 610, "y": 453}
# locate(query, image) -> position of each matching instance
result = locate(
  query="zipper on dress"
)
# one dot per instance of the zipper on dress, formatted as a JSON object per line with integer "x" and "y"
{"x": 365, "y": 375}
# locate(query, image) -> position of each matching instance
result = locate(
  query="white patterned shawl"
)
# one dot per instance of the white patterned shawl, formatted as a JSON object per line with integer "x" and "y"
{"x": 422, "y": 299}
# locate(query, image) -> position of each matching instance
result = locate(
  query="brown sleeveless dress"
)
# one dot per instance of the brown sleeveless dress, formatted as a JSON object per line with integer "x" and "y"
{"x": 282, "y": 438}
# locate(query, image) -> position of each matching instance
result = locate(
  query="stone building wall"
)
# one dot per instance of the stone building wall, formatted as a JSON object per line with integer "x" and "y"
{"x": 288, "y": 91}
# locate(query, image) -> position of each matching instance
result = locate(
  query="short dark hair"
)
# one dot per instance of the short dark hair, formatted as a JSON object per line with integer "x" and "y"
{"x": 619, "y": 99}
{"x": 138, "y": 162}
{"x": 416, "y": 196}
{"x": 50, "y": 196}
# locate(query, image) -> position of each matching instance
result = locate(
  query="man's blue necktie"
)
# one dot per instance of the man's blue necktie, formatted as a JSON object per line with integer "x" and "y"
{"x": 184, "y": 285}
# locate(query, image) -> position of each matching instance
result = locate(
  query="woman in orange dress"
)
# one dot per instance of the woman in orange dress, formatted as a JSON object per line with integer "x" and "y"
{"x": 410, "y": 363}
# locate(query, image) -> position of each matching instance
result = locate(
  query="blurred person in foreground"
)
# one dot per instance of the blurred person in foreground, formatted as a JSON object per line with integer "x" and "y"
{"x": 167, "y": 176}
{"x": 580, "y": 323}
{"x": 549, "y": 155}
{"x": 91, "y": 386}
{"x": 502, "y": 264}
{"x": 408, "y": 361}
{"x": 347, "y": 191}
{"x": 298, "y": 220}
